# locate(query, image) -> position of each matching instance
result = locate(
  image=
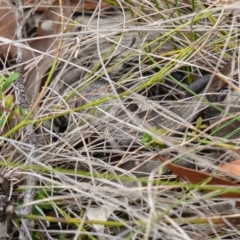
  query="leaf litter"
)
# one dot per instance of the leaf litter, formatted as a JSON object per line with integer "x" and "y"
{"x": 84, "y": 164}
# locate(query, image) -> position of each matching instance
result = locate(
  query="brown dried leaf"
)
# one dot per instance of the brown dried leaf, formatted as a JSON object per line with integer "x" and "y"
{"x": 232, "y": 167}
{"x": 49, "y": 25}
{"x": 8, "y": 27}
{"x": 42, "y": 6}
{"x": 197, "y": 177}
{"x": 74, "y": 5}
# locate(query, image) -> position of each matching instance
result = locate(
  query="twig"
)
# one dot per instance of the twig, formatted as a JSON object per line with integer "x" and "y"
{"x": 31, "y": 136}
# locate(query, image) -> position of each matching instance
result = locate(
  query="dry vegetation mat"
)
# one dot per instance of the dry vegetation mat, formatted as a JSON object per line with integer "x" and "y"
{"x": 119, "y": 119}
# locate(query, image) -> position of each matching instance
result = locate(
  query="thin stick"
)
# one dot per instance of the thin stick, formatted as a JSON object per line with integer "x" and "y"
{"x": 29, "y": 194}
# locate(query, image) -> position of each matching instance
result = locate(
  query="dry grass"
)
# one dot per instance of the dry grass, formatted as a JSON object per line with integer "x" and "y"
{"x": 90, "y": 142}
